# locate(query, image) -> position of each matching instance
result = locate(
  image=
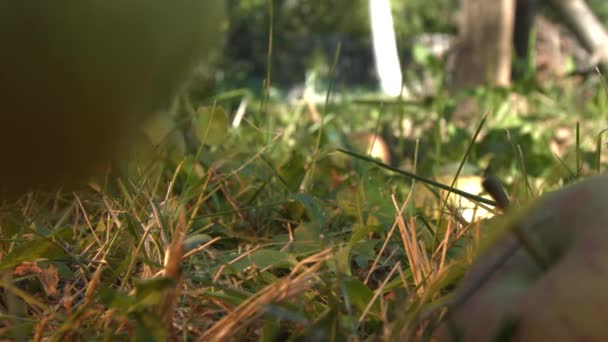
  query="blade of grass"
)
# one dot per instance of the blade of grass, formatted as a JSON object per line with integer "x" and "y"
{"x": 565, "y": 166}
{"x": 268, "y": 80}
{"x": 598, "y": 149}
{"x": 463, "y": 161}
{"x": 522, "y": 165}
{"x": 418, "y": 177}
{"x": 578, "y": 150}
{"x": 324, "y": 113}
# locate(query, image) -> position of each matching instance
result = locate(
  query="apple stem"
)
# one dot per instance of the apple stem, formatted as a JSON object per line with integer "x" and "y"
{"x": 492, "y": 185}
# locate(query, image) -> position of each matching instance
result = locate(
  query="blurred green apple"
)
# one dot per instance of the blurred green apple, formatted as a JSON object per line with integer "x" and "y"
{"x": 80, "y": 75}
{"x": 566, "y": 300}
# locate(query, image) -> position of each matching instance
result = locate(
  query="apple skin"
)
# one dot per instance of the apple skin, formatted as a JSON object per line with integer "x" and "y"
{"x": 79, "y": 76}
{"x": 372, "y": 144}
{"x": 568, "y": 301}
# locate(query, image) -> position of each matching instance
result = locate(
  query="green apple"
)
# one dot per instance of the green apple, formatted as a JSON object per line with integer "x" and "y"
{"x": 523, "y": 300}
{"x": 79, "y": 76}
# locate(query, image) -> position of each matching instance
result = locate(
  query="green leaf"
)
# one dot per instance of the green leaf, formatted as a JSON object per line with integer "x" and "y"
{"x": 21, "y": 331}
{"x": 12, "y": 223}
{"x": 314, "y": 208}
{"x": 360, "y": 233}
{"x": 397, "y": 283}
{"x": 325, "y": 328}
{"x": 195, "y": 241}
{"x": 358, "y": 242}
{"x": 264, "y": 258}
{"x": 32, "y": 250}
{"x": 149, "y": 327}
{"x": 115, "y": 299}
{"x": 351, "y": 200}
{"x": 293, "y": 170}
{"x": 64, "y": 270}
{"x": 285, "y": 313}
{"x": 307, "y": 238}
{"x": 211, "y": 125}
{"x": 359, "y": 295}
{"x": 364, "y": 251}
{"x": 227, "y": 295}
{"x": 149, "y": 291}
{"x": 158, "y": 128}
{"x": 421, "y": 54}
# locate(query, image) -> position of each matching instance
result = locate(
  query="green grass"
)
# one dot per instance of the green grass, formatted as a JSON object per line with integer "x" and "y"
{"x": 282, "y": 227}
{"x": 241, "y": 240}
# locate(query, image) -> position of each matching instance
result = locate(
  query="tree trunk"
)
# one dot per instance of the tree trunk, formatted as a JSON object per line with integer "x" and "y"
{"x": 525, "y": 10}
{"x": 385, "y": 47}
{"x": 483, "y": 54}
{"x": 587, "y": 27}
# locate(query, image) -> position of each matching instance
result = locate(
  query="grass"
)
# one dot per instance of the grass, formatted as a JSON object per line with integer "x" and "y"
{"x": 228, "y": 243}
{"x": 280, "y": 228}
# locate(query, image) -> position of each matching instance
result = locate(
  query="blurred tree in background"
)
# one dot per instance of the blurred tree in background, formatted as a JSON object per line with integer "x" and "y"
{"x": 600, "y": 8}
{"x": 307, "y": 32}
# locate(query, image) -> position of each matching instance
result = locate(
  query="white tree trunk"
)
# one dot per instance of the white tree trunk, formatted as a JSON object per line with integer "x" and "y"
{"x": 385, "y": 47}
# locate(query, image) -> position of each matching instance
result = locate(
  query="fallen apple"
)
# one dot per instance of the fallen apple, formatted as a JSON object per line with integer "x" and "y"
{"x": 508, "y": 295}
{"x": 372, "y": 144}
{"x": 78, "y": 76}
